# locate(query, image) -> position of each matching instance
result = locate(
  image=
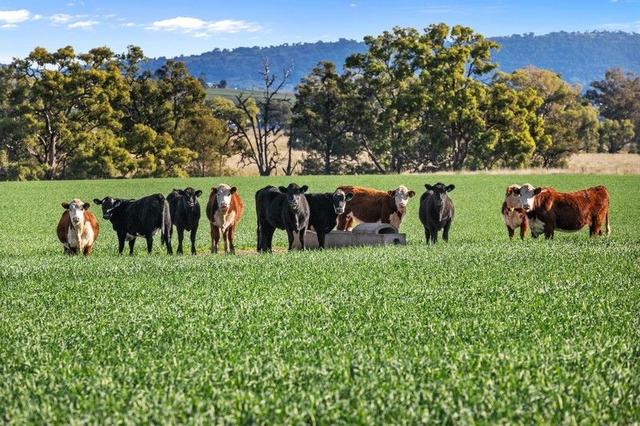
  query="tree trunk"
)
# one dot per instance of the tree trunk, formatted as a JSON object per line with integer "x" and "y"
{"x": 327, "y": 162}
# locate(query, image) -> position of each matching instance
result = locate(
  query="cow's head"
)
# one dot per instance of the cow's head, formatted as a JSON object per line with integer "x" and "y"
{"x": 76, "y": 209}
{"x": 340, "y": 199}
{"x": 223, "y": 194}
{"x": 295, "y": 195}
{"x": 512, "y": 196}
{"x": 439, "y": 191}
{"x": 401, "y": 196}
{"x": 189, "y": 195}
{"x": 526, "y": 196}
{"x": 109, "y": 204}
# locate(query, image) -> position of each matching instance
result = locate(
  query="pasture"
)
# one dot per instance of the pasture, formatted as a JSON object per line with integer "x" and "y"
{"x": 479, "y": 330}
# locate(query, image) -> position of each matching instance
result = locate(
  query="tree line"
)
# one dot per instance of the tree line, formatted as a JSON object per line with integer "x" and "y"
{"x": 413, "y": 101}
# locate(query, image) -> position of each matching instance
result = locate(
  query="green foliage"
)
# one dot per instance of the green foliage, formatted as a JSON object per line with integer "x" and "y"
{"x": 615, "y": 135}
{"x": 480, "y": 330}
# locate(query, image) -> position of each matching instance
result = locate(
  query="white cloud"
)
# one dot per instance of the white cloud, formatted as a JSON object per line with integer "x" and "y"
{"x": 621, "y": 26}
{"x": 37, "y": 17}
{"x": 60, "y": 18}
{"x": 128, "y": 24}
{"x": 14, "y": 16}
{"x": 8, "y": 26}
{"x": 83, "y": 25}
{"x": 201, "y": 28}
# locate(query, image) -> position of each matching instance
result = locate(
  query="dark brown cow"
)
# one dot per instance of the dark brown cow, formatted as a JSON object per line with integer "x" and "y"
{"x": 371, "y": 206}
{"x": 77, "y": 228}
{"x": 514, "y": 216}
{"x": 224, "y": 211}
{"x": 548, "y": 210}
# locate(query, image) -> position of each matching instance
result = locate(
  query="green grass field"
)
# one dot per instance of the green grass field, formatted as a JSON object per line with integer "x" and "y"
{"x": 480, "y": 330}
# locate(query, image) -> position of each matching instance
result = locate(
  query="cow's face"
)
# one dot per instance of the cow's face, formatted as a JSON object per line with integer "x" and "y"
{"x": 340, "y": 200}
{"x": 512, "y": 196}
{"x": 223, "y": 195}
{"x": 526, "y": 196}
{"x": 439, "y": 193}
{"x": 108, "y": 205}
{"x": 401, "y": 197}
{"x": 76, "y": 209}
{"x": 189, "y": 195}
{"x": 295, "y": 195}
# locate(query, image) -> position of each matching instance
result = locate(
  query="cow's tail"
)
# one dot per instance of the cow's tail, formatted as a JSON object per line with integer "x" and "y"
{"x": 165, "y": 230}
{"x": 606, "y": 224}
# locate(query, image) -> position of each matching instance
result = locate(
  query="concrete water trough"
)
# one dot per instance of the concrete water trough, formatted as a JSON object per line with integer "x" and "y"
{"x": 365, "y": 234}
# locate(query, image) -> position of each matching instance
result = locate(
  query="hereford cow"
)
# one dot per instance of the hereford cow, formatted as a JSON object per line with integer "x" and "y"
{"x": 371, "y": 206}
{"x": 77, "y": 228}
{"x": 138, "y": 218}
{"x": 325, "y": 209}
{"x": 513, "y": 215}
{"x": 224, "y": 211}
{"x": 548, "y": 210}
{"x": 283, "y": 208}
{"x": 436, "y": 211}
{"x": 185, "y": 214}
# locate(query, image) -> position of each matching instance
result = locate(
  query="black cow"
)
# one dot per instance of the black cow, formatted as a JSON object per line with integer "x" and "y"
{"x": 436, "y": 211}
{"x": 138, "y": 218}
{"x": 325, "y": 209}
{"x": 185, "y": 214}
{"x": 282, "y": 208}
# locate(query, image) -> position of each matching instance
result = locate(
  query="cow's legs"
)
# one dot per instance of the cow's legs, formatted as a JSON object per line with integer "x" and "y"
{"x": 87, "y": 250}
{"x": 180, "y": 238}
{"x": 149, "y": 243}
{"x": 225, "y": 240}
{"x": 290, "y": 236}
{"x": 427, "y": 235}
{"x": 215, "y": 238}
{"x": 121, "y": 239}
{"x": 523, "y": 229}
{"x": 548, "y": 230}
{"x": 267, "y": 237}
{"x": 132, "y": 242}
{"x": 232, "y": 248}
{"x": 445, "y": 233}
{"x": 434, "y": 235}
{"x": 193, "y": 240}
{"x": 301, "y": 235}
{"x": 320, "y": 238}
{"x": 511, "y": 232}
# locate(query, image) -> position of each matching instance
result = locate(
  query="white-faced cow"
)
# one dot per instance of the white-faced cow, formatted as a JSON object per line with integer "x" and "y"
{"x": 371, "y": 206}
{"x": 185, "y": 214}
{"x": 138, "y": 218}
{"x": 325, "y": 209}
{"x": 283, "y": 208}
{"x": 77, "y": 228}
{"x": 436, "y": 211}
{"x": 224, "y": 211}
{"x": 548, "y": 210}
{"x": 513, "y": 215}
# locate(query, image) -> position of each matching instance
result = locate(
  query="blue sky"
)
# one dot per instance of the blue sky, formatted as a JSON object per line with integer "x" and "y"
{"x": 187, "y": 27}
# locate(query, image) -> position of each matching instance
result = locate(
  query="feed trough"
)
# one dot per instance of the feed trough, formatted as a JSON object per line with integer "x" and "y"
{"x": 365, "y": 234}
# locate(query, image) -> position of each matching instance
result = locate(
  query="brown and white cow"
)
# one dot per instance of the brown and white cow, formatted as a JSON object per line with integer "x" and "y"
{"x": 548, "y": 210}
{"x": 224, "y": 211}
{"x": 77, "y": 228}
{"x": 513, "y": 215}
{"x": 371, "y": 206}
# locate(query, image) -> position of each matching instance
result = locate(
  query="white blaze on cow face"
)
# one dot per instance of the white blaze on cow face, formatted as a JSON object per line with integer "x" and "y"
{"x": 76, "y": 209}
{"x": 527, "y": 194}
{"x": 401, "y": 197}
{"x": 223, "y": 195}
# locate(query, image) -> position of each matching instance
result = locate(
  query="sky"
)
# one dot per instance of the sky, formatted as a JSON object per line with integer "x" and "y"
{"x": 190, "y": 27}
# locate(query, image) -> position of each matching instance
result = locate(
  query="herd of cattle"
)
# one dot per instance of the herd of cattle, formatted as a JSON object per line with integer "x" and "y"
{"x": 542, "y": 210}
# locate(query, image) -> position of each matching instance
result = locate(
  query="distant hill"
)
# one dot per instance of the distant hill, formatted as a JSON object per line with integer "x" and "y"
{"x": 578, "y": 57}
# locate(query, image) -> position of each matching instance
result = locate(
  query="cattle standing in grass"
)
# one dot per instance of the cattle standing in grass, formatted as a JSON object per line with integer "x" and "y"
{"x": 224, "y": 211}
{"x": 371, "y": 206}
{"x": 325, "y": 209}
{"x": 77, "y": 228}
{"x": 284, "y": 208}
{"x": 436, "y": 211}
{"x": 138, "y": 218}
{"x": 548, "y": 210}
{"x": 185, "y": 214}
{"x": 513, "y": 215}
